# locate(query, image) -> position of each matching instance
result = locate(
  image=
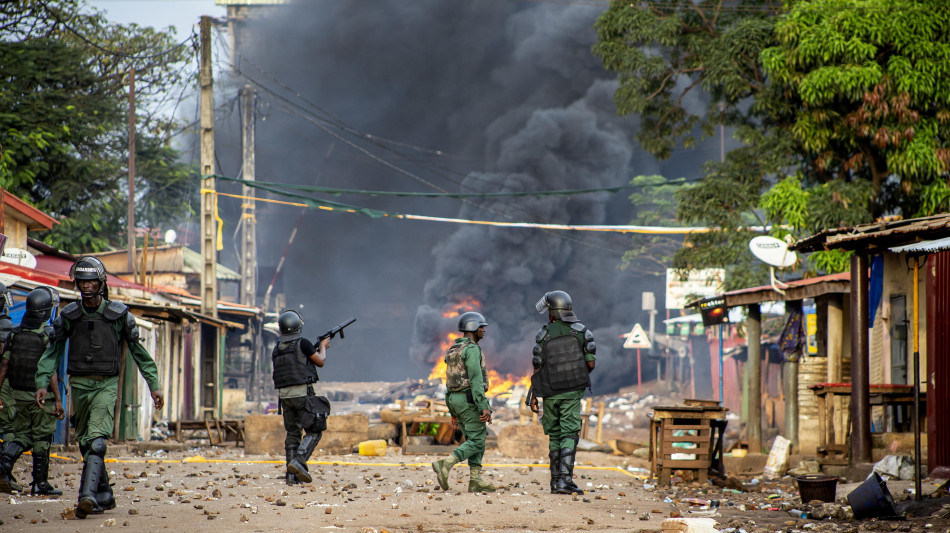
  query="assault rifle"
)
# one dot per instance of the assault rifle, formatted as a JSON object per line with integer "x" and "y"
{"x": 336, "y": 329}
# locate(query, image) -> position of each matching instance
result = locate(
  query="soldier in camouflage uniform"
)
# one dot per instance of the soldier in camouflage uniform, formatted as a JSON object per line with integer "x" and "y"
{"x": 563, "y": 359}
{"x": 466, "y": 382}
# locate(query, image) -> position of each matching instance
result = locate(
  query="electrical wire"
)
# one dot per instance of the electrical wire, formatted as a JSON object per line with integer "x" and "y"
{"x": 363, "y": 192}
{"x": 301, "y": 112}
{"x": 88, "y": 41}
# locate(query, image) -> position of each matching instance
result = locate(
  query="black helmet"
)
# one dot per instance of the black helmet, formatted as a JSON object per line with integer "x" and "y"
{"x": 560, "y": 302}
{"x": 471, "y": 321}
{"x": 290, "y": 324}
{"x": 42, "y": 300}
{"x": 89, "y": 268}
{"x": 39, "y": 306}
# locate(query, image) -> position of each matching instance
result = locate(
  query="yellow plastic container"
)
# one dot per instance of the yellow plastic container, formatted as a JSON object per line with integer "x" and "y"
{"x": 373, "y": 447}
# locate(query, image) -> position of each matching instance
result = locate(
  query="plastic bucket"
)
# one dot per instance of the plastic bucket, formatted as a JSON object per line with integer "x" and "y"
{"x": 817, "y": 487}
{"x": 872, "y": 499}
{"x": 373, "y": 447}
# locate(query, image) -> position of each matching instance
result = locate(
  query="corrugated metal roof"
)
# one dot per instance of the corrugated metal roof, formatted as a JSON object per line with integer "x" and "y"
{"x": 937, "y": 245}
{"x": 877, "y": 235}
{"x": 194, "y": 263}
{"x": 794, "y": 290}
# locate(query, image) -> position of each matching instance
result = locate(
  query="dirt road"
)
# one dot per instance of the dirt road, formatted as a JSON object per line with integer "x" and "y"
{"x": 222, "y": 490}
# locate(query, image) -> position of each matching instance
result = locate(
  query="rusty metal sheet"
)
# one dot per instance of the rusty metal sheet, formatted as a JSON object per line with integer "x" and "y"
{"x": 877, "y": 235}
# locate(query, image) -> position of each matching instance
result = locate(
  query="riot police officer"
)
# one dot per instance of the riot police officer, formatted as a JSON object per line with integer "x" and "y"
{"x": 466, "y": 383}
{"x": 295, "y": 371}
{"x": 33, "y": 427}
{"x": 563, "y": 359}
{"x": 6, "y": 392}
{"x": 95, "y": 328}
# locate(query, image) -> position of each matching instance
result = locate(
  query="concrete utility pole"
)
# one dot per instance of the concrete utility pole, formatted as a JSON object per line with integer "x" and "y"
{"x": 130, "y": 223}
{"x": 249, "y": 227}
{"x": 249, "y": 234}
{"x": 209, "y": 252}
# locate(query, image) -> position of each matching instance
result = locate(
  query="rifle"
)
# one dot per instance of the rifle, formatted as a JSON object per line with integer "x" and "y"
{"x": 336, "y": 329}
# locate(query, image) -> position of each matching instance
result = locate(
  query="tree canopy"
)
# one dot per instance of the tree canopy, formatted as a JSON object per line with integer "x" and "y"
{"x": 839, "y": 107}
{"x": 64, "y": 121}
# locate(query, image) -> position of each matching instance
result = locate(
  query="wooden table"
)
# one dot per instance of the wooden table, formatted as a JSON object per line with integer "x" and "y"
{"x": 698, "y": 423}
{"x": 885, "y": 394}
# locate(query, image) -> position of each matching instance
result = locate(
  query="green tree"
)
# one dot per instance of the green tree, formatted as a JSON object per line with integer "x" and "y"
{"x": 870, "y": 82}
{"x": 64, "y": 121}
{"x": 839, "y": 106}
{"x": 685, "y": 67}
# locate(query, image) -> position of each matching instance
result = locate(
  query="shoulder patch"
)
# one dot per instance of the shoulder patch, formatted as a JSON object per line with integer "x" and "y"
{"x": 115, "y": 310}
{"x": 72, "y": 311}
{"x": 577, "y": 326}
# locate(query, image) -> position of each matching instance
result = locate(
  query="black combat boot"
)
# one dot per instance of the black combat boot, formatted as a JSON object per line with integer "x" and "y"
{"x": 41, "y": 485}
{"x": 104, "y": 496}
{"x": 291, "y": 478}
{"x": 11, "y": 452}
{"x": 88, "y": 486}
{"x": 298, "y": 465}
{"x": 555, "y": 458}
{"x": 565, "y": 483}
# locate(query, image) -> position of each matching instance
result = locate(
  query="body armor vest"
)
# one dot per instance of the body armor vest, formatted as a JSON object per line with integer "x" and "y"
{"x": 563, "y": 368}
{"x": 292, "y": 366}
{"x": 26, "y": 347}
{"x": 456, "y": 375}
{"x": 94, "y": 346}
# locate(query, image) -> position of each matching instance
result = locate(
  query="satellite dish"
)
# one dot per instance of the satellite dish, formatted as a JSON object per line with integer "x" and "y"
{"x": 18, "y": 256}
{"x": 170, "y": 236}
{"x": 772, "y": 251}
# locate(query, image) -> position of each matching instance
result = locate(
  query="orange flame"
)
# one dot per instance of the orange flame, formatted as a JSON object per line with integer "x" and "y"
{"x": 497, "y": 384}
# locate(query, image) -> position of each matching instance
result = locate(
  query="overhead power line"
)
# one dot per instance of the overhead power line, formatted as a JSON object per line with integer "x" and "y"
{"x": 97, "y": 46}
{"x": 363, "y": 192}
{"x": 325, "y": 205}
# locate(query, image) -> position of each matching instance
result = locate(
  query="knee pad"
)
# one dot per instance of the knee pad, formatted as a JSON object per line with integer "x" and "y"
{"x": 98, "y": 447}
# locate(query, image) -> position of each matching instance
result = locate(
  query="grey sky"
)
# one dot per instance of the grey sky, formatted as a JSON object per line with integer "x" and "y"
{"x": 181, "y": 14}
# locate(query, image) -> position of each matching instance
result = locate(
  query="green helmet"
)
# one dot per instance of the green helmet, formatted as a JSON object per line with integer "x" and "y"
{"x": 471, "y": 321}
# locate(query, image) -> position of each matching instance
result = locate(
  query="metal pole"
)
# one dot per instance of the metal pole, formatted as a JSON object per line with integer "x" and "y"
{"x": 130, "y": 223}
{"x": 639, "y": 390}
{"x": 860, "y": 371}
{"x": 209, "y": 252}
{"x": 754, "y": 383}
{"x": 720, "y": 363}
{"x": 916, "y": 417}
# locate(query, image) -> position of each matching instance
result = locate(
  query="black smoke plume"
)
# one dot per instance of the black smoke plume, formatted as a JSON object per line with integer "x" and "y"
{"x": 481, "y": 96}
